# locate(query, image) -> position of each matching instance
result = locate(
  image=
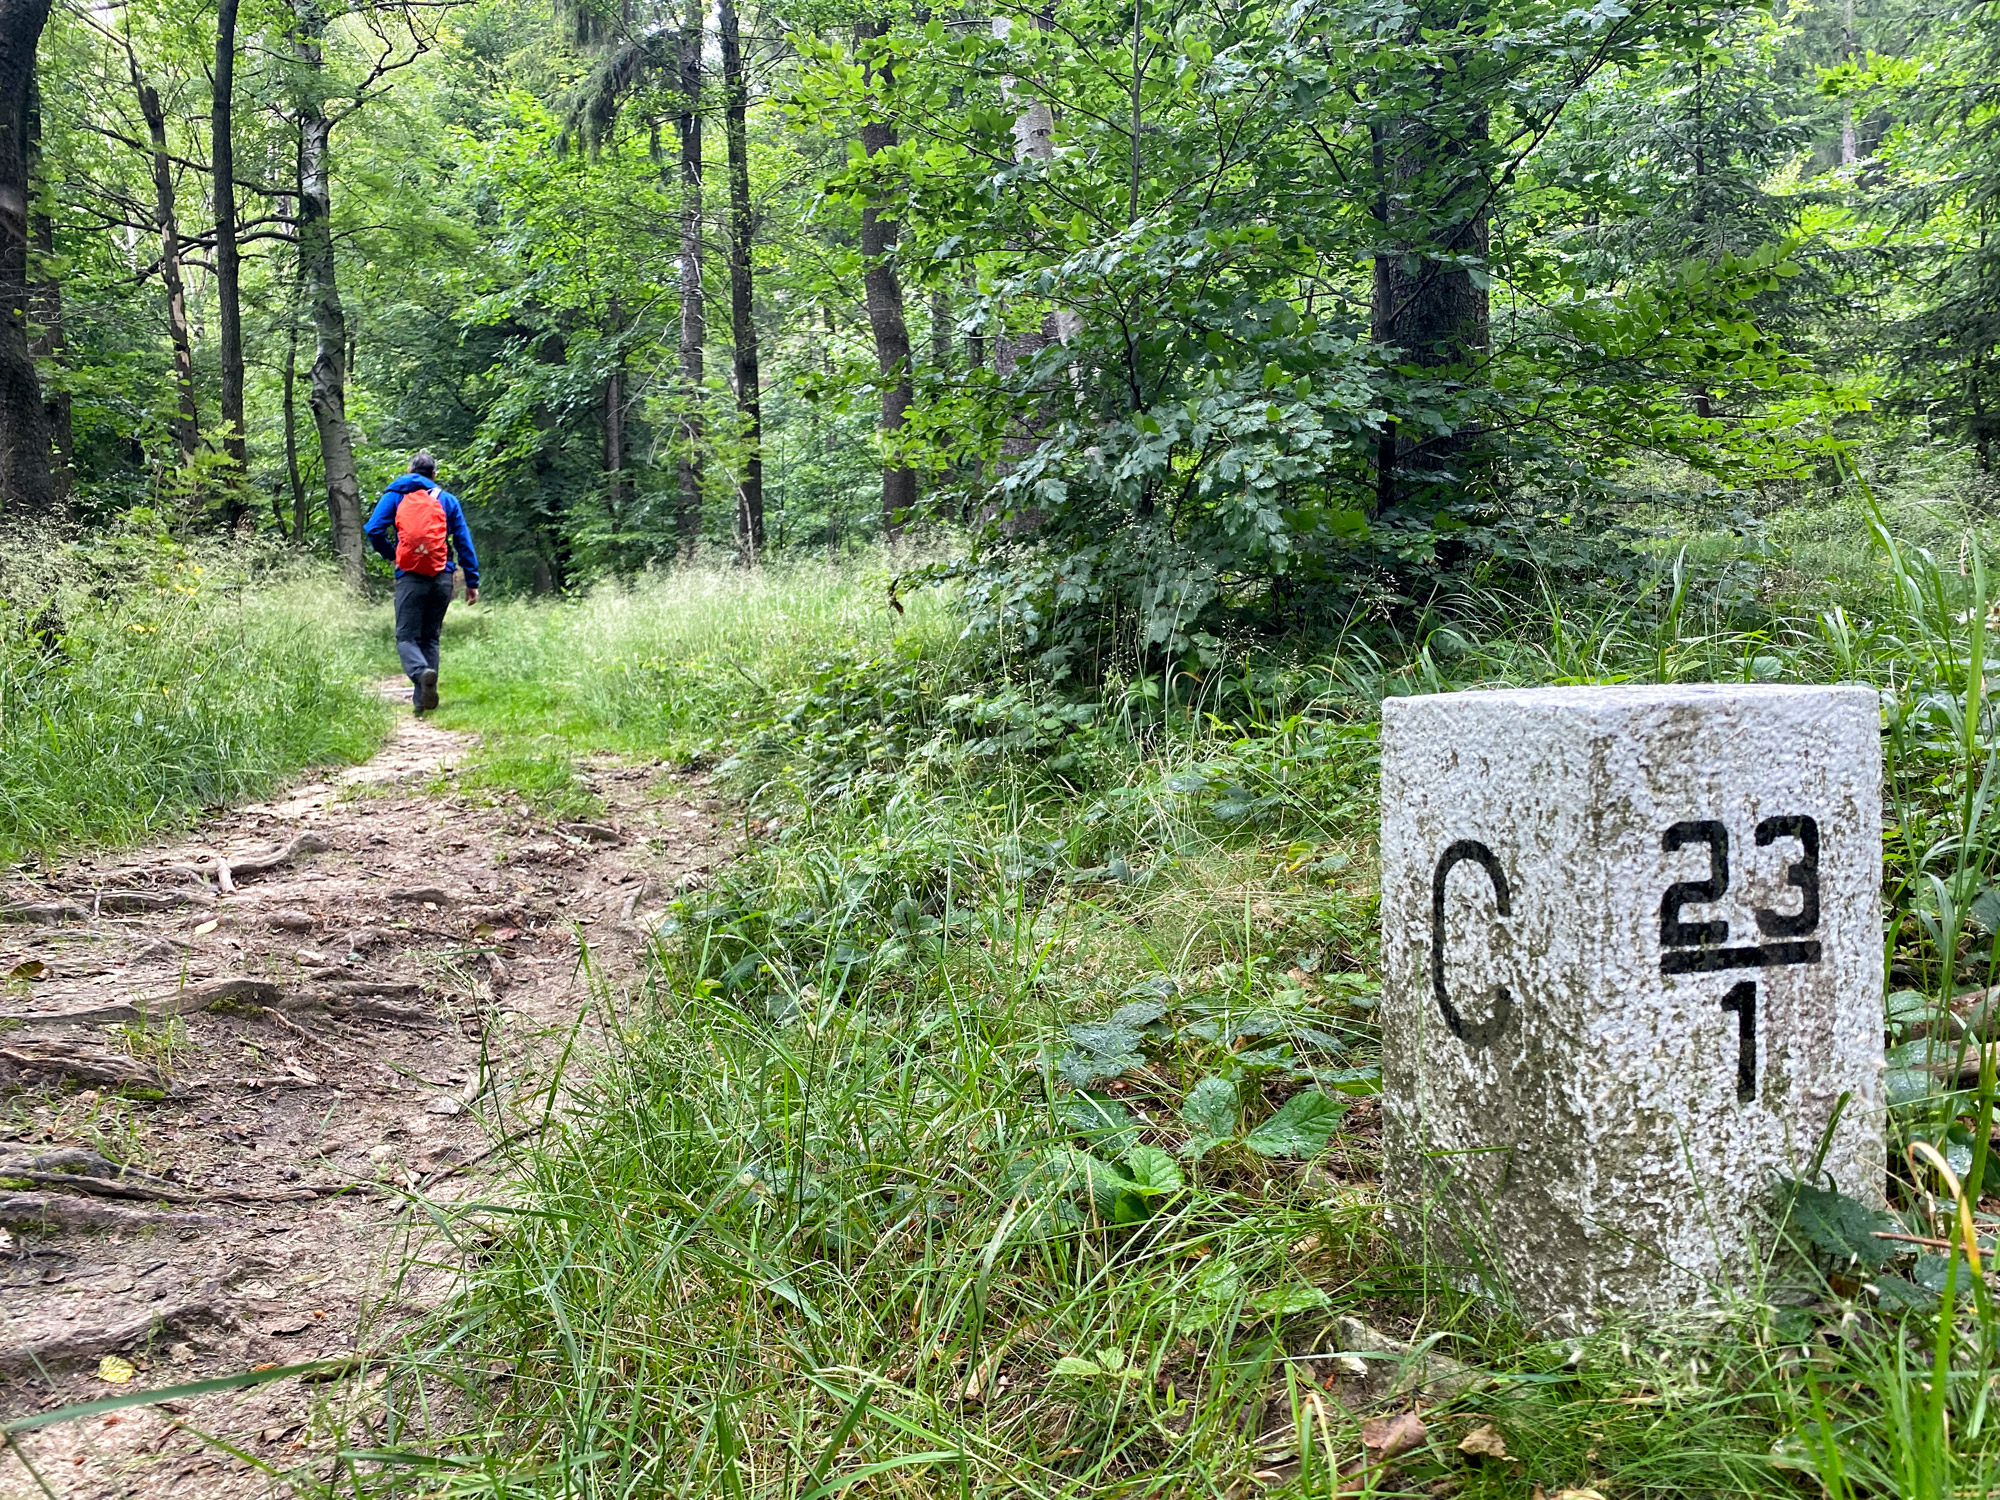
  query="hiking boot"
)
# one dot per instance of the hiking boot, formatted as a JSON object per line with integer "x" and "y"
{"x": 427, "y": 690}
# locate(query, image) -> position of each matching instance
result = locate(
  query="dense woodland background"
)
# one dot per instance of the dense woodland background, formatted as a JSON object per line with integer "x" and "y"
{"x": 1185, "y": 319}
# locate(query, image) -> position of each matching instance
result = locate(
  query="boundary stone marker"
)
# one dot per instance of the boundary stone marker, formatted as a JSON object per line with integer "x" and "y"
{"x": 1632, "y": 963}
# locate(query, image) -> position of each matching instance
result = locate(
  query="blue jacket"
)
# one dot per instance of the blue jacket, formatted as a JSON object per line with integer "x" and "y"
{"x": 382, "y": 526}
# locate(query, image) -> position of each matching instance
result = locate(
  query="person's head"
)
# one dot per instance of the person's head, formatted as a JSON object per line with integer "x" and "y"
{"x": 424, "y": 464}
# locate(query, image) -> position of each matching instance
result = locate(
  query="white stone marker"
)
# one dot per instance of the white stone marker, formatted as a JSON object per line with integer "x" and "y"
{"x": 1632, "y": 958}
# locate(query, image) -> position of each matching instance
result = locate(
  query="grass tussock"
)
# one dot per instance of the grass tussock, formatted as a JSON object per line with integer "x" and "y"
{"x": 142, "y": 681}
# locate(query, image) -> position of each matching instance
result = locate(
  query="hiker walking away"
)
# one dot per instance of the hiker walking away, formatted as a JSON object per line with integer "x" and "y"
{"x": 430, "y": 540}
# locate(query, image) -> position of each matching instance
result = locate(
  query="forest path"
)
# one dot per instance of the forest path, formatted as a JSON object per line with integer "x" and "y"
{"x": 354, "y": 1023}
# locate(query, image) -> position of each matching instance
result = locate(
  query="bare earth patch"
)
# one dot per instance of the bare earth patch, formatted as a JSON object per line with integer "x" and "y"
{"x": 234, "y": 1064}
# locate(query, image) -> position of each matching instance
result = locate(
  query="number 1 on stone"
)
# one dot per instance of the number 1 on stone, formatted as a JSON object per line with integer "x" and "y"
{"x": 1743, "y": 1000}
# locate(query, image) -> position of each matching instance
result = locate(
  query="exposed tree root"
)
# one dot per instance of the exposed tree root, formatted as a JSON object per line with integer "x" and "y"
{"x": 60, "y": 1211}
{"x": 378, "y": 1010}
{"x": 263, "y": 864}
{"x": 436, "y": 895}
{"x": 100, "y": 903}
{"x": 74, "y": 1167}
{"x": 226, "y": 872}
{"x": 44, "y": 912}
{"x": 257, "y": 993}
{"x": 86, "y": 1345}
{"x": 357, "y": 987}
{"x": 64, "y": 1062}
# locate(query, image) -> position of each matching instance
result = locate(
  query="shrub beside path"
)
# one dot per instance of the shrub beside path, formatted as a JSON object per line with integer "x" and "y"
{"x": 232, "y": 1067}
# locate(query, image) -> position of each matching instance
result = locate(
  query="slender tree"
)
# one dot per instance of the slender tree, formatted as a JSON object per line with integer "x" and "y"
{"x": 1429, "y": 297}
{"x": 1034, "y": 133}
{"x": 742, "y": 291}
{"x": 614, "y": 424}
{"x": 881, "y": 287}
{"x": 694, "y": 321}
{"x": 27, "y": 482}
{"x": 290, "y": 399}
{"x": 46, "y": 305}
{"x": 186, "y": 422}
{"x": 228, "y": 293}
{"x": 315, "y": 230}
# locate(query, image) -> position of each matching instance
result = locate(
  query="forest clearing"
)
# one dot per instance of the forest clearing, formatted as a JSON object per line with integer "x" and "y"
{"x": 954, "y": 894}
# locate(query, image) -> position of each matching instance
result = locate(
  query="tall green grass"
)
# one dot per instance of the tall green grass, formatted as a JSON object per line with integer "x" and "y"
{"x": 848, "y": 1204}
{"x": 670, "y": 664}
{"x": 141, "y": 682}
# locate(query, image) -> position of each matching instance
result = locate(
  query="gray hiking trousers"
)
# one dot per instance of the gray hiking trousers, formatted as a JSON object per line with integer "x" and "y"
{"x": 420, "y": 607}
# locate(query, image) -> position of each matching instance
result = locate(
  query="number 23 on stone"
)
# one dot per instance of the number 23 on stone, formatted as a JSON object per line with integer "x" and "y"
{"x": 1699, "y": 947}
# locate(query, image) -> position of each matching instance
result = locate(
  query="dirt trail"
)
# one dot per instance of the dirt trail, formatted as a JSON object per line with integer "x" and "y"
{"x": 320, "y": 1034}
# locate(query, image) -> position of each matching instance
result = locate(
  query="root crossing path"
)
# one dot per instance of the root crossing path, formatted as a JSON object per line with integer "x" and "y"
{"x": 231, "y": 1068}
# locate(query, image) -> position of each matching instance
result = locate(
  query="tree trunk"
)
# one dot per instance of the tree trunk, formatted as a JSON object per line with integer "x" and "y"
{"x": 1849, "y": 147}
{"x": 940, "y": 331}
{"x": 1034, "y": 140}
{"x": 884, "y": 294}
{"x": 229, "y": 304}
{"x": 45, "y": 309}
{"x": 1431, "y": 206}
{"x": 292, "y": 474}
{"x": 186, "y": 424}
{"x": 614, "y": 443}
{"x": 46, "y": 300}
{"x": 742, "y": 293}
{"x": 694, "y": 321}
{"x": 27, "y": 484}
{"x": 975, "y": 343}
{"x": 329, "y": 367}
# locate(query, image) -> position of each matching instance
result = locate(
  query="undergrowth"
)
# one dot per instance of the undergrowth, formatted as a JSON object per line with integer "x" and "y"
{"x": 1002, "y": 1121}
{"x": 142, "y": 681}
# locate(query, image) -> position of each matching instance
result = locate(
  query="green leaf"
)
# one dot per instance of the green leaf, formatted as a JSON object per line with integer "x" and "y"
{"x": 1908, "y": 1005}
{"x": 1366, "y": 1080}
{"x": 1219, "y": 1280}
{"x": 1102, "y": 1049}
{"x": 1907, "y": 1085}
{"x": 1985, "y": 910}
{"x": 1301, "y": 1128}
{"x": 1115, "y": 1196}
{"x": 1932, "y": 1271}
{"x": 1139, "y": 1015}
{"x": 1898, "y": 1295}
{"x": 1283, "y": 1301}
{"x": 1210, "y": 1108}
{"x": 1839, "y": 1226}
{"x": 1099, "y": 1119}
{"x": 1154, "y": 1174}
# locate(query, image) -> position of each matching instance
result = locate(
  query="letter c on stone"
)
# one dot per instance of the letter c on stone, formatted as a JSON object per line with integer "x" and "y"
{"x": 1483, "y": 1033}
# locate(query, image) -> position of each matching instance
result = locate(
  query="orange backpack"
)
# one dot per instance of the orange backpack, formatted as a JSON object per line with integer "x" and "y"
{"x": 420, "y": 533}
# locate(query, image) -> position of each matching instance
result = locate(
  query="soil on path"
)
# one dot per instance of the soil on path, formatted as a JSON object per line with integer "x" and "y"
{"x": 233, "y": 1061}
